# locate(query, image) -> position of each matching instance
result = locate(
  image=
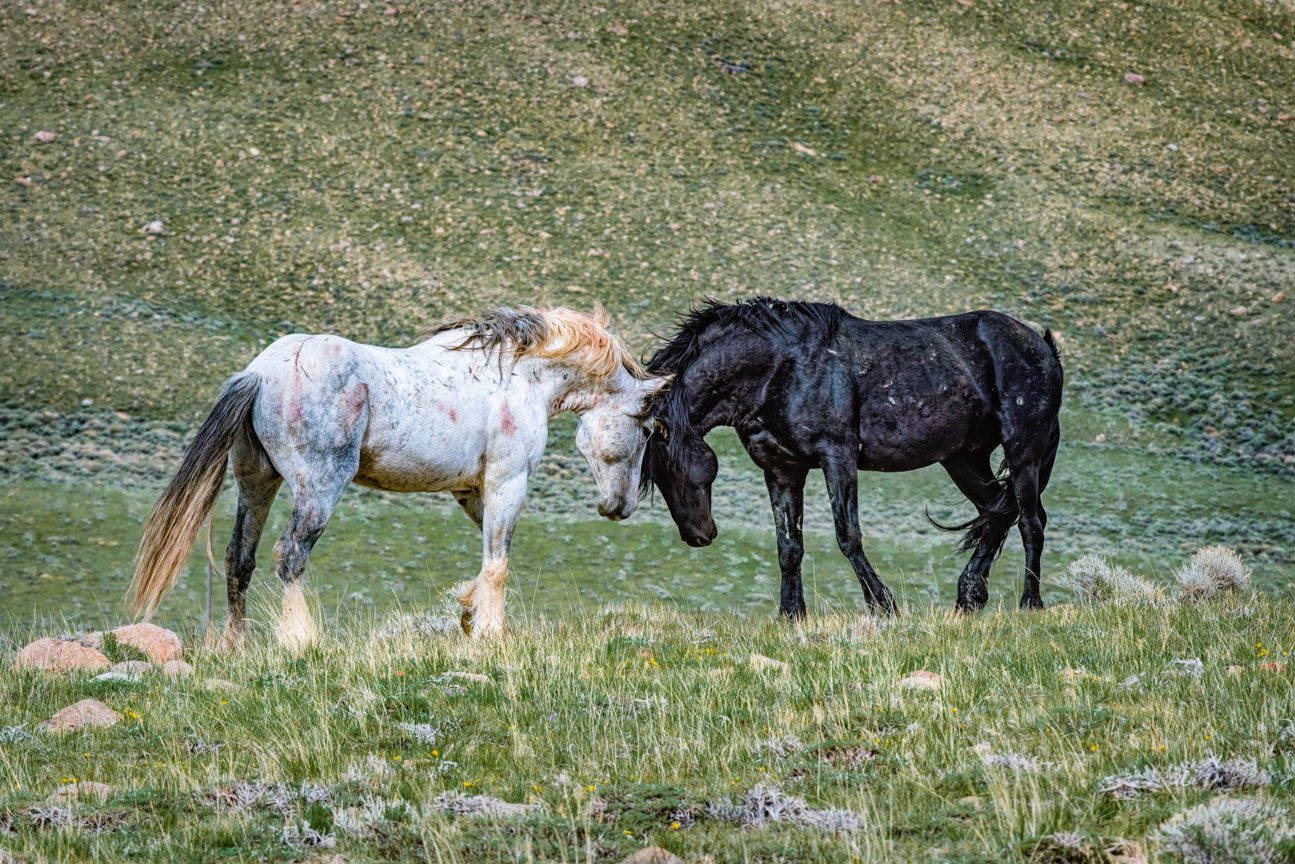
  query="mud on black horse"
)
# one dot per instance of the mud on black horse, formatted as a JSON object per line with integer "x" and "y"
{"x": 807, "y": 385}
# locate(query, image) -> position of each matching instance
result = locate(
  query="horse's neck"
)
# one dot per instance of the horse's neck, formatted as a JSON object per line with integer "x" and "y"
{"x": 567, "y": 389}
{"x": 726, "y": 384}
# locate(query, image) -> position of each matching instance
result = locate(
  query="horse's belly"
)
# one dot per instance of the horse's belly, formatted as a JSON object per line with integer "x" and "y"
{"x": 395, "y": 471}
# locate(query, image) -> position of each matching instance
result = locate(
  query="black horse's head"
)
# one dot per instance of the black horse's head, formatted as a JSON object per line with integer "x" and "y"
{"x": 683, "y": 467}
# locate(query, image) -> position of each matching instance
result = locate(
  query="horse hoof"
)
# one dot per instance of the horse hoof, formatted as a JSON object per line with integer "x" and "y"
{"x": 465, "y": 621}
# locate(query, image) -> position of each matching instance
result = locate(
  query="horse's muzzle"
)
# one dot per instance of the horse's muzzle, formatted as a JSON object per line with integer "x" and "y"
{"x": 617, "y": 511}
{"x": 703, "y": 538}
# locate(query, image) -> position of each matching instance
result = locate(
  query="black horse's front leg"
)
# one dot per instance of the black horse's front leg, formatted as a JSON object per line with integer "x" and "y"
{"x": 787, "y": 497}
{"x": 843, "y": 488}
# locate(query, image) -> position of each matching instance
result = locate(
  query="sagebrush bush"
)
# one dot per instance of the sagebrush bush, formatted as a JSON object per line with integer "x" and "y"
{"x": 1231, "y": 830}
{"x": 1213, "y": 570}
{"x": 1093, "y": 579}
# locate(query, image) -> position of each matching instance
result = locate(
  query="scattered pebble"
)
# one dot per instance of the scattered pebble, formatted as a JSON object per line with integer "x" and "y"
{"x": 176, "y": 669}
{"x": 87, "y": 712}
{"x": 1134, "y": 79}
{"x": 155, "y": 228}
{"x": 653, "y": 855}
{"x": 759, "y": 662}
{"x": 921, "y": 680}
{"x": 57, "y": 655}
{"x": 80, "y": 790}
{"x": 46, "y": 137}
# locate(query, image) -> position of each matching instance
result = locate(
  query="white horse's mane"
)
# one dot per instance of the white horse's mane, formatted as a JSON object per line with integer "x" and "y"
{"x": 555, "y": 334}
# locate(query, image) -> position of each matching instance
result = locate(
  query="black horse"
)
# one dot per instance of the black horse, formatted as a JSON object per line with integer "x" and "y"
{"x": 807, "y": 385}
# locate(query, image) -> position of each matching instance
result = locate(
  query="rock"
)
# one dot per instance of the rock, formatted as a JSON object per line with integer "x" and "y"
{"x": 760, "y": 663}
{"x": 1135, "y": 79}
{"x": 221, "y": 685}
{"x": 87, "y": 712}
{"x": 155, "y": 228}
{"x": 46, "y": 137}
{"x": 471, "y": 676}
{"x": 80, "y": 791}
{"x": 116, "y": 676}
{"x": 653, "y": 855}
{"x": 56, "y": 655}
{"x": 176, "y": 669}
{"x": 134, "y": 668}
{"x": 921, "y": 680}
{"x": 158, "y": 643}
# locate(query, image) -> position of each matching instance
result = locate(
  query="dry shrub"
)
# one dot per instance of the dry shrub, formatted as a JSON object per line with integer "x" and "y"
{"x": 1213, "y": 571}
{"x": 1233, "y": 830}
{"x": 766, "y": 803}
{"x": 1093, "y": 579}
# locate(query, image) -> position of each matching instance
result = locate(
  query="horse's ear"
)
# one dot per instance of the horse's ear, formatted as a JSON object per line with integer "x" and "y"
{"x": 656, "y": 386}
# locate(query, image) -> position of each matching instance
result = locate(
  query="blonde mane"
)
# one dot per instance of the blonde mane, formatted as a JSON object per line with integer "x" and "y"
{"x": 552, "y": 334}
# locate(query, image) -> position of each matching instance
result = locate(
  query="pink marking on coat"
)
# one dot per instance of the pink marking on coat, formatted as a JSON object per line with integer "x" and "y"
{"x": 446, "y": 408}
{"x": 506, "y": 423}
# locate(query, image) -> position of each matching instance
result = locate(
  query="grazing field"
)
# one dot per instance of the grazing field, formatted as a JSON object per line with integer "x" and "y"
{"x": 1120, "y": 174}
{"x": 1085, "y": 733}
{"x": 183, "y": 182}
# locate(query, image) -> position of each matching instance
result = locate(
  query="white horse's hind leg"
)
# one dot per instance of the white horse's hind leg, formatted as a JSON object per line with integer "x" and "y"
{"x": 483, "y": 598}
{"x": 298, "y": 627}
{"x": 257, "y": 482}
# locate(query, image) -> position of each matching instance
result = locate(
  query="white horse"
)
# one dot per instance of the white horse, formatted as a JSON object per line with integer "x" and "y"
{"x": 465, "y": 411}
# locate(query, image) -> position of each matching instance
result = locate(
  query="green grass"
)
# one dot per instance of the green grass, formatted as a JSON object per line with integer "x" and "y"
{"x": 633, "y": 727}
{"x": 333, "y": 167}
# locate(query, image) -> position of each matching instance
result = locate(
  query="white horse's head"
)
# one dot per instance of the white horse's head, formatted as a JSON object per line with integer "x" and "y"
{"x": 612, "y": 437}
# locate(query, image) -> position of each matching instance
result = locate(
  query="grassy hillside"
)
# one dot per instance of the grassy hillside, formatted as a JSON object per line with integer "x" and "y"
{"x": 1121, "y": 173}
{"x": 1082, "y": 735}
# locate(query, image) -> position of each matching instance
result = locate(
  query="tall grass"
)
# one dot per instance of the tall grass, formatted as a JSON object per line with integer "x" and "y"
{"x": 645, "y": 726}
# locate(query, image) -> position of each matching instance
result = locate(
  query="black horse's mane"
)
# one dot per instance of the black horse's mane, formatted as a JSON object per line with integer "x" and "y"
{"x": 773, "y": 318}
{"x": 780, "y": 321}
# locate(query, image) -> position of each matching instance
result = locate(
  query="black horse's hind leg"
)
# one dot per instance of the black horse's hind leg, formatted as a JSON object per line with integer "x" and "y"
{"x": 1025, "y": 482}
{"x": 258, "y": 482}
{"x": 787, "y": 497}
{"x": 843, "y": 488}
{"x": 972, "y": 474}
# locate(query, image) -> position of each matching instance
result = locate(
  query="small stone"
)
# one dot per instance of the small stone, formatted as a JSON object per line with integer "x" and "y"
{"x": 46, "y": 137}
{"x": 176, "y": 669}
{"x": 653, "y": 855}
{"x": 87, "y": 712}
{"x": 158, "y": 643}
{"x": 921, "y": 680}
{"x": 55, "y": 655}
{"x": 115, "y": 676}
{"x": 1279, "y": 296}
{"x": 760, "y": 663}
{"x": 80, "y": 791}
{"x": 155, "y": 228}
{"x": 1238, "y": 310}
{"x": 221, "y": 685}
{"x": 1135, "y": 79}
{"x": 133, "y": 668}
{"x": 471, "y": 676}
{"x": 580, "y": 81}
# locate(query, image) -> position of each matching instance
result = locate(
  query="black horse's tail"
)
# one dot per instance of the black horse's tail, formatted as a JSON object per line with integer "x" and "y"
{"x": 1004, "y": 506}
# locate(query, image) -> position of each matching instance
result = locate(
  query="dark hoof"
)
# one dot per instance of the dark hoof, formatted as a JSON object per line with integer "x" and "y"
{"x": 1031, "y": 603}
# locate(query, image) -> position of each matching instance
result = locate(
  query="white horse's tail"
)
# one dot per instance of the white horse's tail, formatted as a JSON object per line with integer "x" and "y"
{"x": 173, "y": 526}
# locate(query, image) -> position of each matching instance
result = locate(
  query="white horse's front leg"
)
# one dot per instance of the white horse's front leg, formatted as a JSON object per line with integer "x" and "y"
{"x": 483, "y": 598}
